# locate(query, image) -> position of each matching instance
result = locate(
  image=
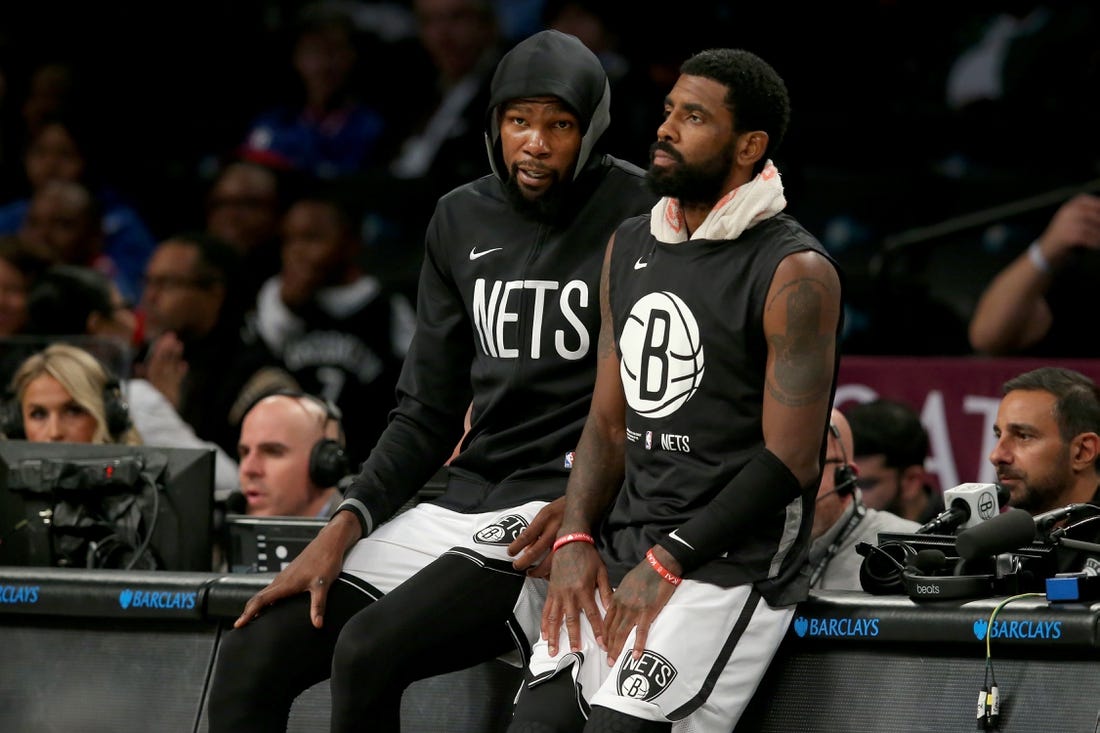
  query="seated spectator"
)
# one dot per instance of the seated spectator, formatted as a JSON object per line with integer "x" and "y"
{"x": 63, "y": 394}
{"x": 441, "y": 142}
{"x": 244, "y": 208}
{"x": 635, "y": 93}
{"x": 1010, "y": 67}
{"x": 890, "y": 447}
{"x": 61, "y": 149}
{"x": 841, "y": 520}
{"x": 70, "y": 302}
{"x": 63, "y": 219}
{"x": 1031, "y": 306}
{"x": 19, "y": 266}
{"x": 198, "y": 354}
{"x": 291, "y": 457}
{"x": 337, "y": 330}
{"x": 462, "y": 41}
{"x": 328, "y": 132}
{"x": 51, "y": 87}
{"x": 1048, "y": 448}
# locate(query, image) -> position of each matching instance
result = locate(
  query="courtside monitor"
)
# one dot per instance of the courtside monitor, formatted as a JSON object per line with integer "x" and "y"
{"x": 268, "y": 544}
{"x": 133, "y": 507}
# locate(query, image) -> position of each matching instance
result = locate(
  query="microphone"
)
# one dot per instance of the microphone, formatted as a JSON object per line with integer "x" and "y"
{"x": 236, "y": 503}
{"x": 827, "y": 494}
{"x": 1010, "y": 530}
{"x": 1045, "y": 522}
{"x": 928, "y": 561}
{"x": 967, "y": 506}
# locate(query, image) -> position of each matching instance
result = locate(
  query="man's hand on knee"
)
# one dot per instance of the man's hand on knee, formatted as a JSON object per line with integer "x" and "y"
{"x": 313, "y": 571}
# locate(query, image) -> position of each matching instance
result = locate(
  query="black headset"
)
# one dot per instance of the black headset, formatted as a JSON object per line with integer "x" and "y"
{"x": 896, "y": 567}
{"x": 328, "y": 461}
{"x": 844, "y": 476}
{"x": 116, "y": 412}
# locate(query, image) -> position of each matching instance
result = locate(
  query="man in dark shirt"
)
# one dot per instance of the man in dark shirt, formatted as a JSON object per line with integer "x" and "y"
{"x": 507, "y": 318}
{"x": 693, "y": 494}
{"x": 198, "y": 352}
{"x": 339, "y": 331}
{"x": 1048, "y": 449}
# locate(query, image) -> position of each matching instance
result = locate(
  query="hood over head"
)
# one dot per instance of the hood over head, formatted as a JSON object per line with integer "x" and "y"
{"x": 551, "y": 63}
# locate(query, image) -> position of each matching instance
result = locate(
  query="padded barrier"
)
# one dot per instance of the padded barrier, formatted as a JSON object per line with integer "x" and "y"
{"x": 104, "y": 651}
{"x": 98, "y": 650}
{"x": 855, "y": 662}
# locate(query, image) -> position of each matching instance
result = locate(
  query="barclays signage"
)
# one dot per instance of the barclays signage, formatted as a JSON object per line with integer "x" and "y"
{"x": 129, "y": 599}
{"x": 19, "y": 594}
{"x": 836, "y": 627}
{"x": 1018, "y": 629}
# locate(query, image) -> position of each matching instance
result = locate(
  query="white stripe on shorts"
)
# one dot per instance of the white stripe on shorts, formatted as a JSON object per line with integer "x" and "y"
{"x": 706, "y": 652}
{"x": 403, "y": 546}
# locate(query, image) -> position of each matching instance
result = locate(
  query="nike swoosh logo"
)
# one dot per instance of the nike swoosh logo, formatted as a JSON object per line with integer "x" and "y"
{"x": 681, "y": 540}
{"x": 474, "y": 254}
{"x": 639, "y": 264}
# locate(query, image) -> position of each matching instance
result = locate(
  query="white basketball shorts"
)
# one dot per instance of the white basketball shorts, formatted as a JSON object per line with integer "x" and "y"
{"x": 707, "y": 651}
{"x": 403, "y": 546}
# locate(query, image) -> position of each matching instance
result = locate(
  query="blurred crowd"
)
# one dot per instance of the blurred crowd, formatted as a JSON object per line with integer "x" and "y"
{"x": 235, "y": 194}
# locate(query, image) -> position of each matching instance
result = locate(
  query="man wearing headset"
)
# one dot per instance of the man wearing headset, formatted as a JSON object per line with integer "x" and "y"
{"x": 291, "y": 457}
{"x": 841, "y": 520}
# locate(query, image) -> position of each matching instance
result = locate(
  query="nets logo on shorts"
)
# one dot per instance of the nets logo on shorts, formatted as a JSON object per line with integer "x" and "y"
{"x": 662, "y": 355}
{"x": 502, "y": 531}
{"x": 646, "y": 677}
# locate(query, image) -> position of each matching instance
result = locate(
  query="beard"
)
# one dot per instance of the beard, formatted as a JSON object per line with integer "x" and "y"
{"x": 1040, "y": 493}
{"x": 894, "y": 506}
{"x": 699, "y": 183}
{"x": 546, "y": 206}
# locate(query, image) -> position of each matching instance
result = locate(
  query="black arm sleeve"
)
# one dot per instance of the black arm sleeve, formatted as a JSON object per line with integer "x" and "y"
{"x": 433, "y": 392}
{"x": 763, "y": 487}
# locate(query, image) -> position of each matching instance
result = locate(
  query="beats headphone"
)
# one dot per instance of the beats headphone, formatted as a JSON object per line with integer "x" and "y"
{"x": 116, "y": 412}
{"x": 328, "y": 462}
{"x": 897, "y": 567}
{"x": 882, "y": 566}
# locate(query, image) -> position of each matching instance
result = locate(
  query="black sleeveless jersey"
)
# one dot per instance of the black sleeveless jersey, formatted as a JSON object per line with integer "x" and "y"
{"x": 690, "y": 337}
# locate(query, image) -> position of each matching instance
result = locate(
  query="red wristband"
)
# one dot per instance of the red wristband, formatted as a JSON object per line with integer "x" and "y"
{"x": 661, "y": 569}
{"x": 565, "y": 539}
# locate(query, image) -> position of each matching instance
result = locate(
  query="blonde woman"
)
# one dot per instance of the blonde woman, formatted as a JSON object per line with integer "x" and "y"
{"x": 63, "y": 394}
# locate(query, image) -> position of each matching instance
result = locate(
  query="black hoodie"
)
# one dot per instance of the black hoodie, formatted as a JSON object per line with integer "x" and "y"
{"x": 507, "y": 314}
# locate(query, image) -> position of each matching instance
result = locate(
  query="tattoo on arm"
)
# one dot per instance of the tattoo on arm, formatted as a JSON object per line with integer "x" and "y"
{"x": 594, "y": 481}
{"x": 607, "y": 327}
{"x": 801, "y": 375}
{"x": 597, "y": 474}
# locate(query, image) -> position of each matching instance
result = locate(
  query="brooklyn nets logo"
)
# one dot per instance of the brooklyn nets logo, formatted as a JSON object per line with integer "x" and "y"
{"x": 502, "y": 531}
{"x": 646, "y": 677}
{"x": 662, "y": 362}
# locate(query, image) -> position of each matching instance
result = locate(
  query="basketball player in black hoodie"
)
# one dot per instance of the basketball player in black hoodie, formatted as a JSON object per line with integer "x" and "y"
{"x": 507, "y": 321}
{"x": 694, "y": 490}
